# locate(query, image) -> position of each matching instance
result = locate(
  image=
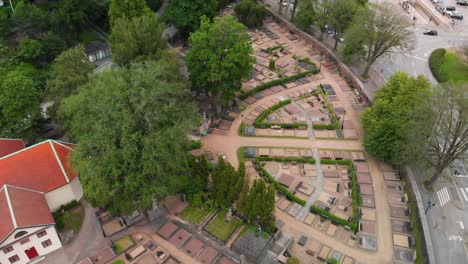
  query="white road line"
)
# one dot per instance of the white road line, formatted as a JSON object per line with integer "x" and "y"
{"x": 461, "y": 224}
{"x": 464, "y": 194}
{"x": 443, "y": 196}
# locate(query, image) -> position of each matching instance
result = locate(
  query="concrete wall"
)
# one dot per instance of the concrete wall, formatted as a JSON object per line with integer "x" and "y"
{"x": 34, "y": 241}
{"x": 344, "y": 70}
{"x": 65, "y": 194}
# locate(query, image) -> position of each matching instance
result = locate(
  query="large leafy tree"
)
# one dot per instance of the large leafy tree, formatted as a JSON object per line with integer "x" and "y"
{"x": 131, "y": 126}
{"x": 258, "y": 203}
{"x": 387, "y": 123}
{"x": 305, "y": 16}
{"x": 19, "y": 104}
{"x": 341, "y": 15}
{"x": 70, "y": 70}
{"x": 72, "y": 13}
{"x": 198, "y": 177}
{"x": 440, "y": 131}
{"x": 250, "y": 13}
{"x": 185, "y": 14}
{"x": 227, "y": 183}
{"x": 375, "y": 32}
{"x": 137, "y": 39}
{"x": 126, "y": 9}
{"x": 220, "y": 56}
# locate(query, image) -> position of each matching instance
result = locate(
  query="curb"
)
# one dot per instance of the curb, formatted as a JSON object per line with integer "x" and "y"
{"x": 422, "y": 215}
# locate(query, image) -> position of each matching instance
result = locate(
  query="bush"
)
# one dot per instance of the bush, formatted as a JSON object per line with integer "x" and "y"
{"x": 195, "y": 144}
{"x": 332, "y": 261}
{"x": 279, "y": 81}
{"x": 250, "y": 13}
{"x": 436, "y": 59}
{"x": 272, "y": 65}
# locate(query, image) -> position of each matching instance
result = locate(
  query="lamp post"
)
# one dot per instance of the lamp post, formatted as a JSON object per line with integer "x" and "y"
{"x": 342, "y": 121}
{"x": 429, "y": 206}
{"x": 320, "y": 67}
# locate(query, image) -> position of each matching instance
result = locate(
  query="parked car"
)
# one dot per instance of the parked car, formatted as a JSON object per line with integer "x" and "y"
{"x": 447, "y": 10}
{"x": 437, "y": 1}
{"x": 462, "y": 2}
{"x": 430, "y": 32}
{"x": 439, "y": 9}
{"x": 456, "y": 15}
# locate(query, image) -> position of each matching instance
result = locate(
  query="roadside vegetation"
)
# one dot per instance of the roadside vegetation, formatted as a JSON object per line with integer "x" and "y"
{"x": 447, "y": 65}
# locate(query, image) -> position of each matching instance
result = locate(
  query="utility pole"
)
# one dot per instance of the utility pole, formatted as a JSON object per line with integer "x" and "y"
{"x": 429, "y": 206}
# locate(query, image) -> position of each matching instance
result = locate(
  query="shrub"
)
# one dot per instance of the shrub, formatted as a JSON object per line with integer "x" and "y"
{"x": 332, "y": 261}
{"x": 271, "y": 65}
{"x": 279, "y": 81}
{"x": 250, "y": 13}
{"x": 195, "y": 144}
{"x": 436, "y": 59}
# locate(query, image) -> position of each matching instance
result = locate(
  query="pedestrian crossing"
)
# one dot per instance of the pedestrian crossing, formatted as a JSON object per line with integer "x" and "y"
{"x": 464, "y": 192}
{"x": 443, "y": 195}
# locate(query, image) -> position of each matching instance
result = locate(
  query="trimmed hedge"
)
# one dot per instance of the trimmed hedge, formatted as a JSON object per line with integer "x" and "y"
{"x": 287, "y": 159}
{"x": 436, "y": 59}
{"x": 336, "y": 123}
{"x": 258, "y": 122}
{"x": 279, "y": 81}
{"x": 353, "y": 225}
{"x": 290, "y": 196}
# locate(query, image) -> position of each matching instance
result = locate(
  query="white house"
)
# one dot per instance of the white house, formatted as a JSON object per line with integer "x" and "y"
{"x": 34, "y": 182}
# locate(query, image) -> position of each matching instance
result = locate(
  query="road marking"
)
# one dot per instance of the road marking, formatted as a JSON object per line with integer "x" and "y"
{"x": 443, "y": 196}
{"x": 455, "y": 238}
{"x": 461, "y": 224}
{"x": 464, "y": 194}
{"x": 414, "y": 57}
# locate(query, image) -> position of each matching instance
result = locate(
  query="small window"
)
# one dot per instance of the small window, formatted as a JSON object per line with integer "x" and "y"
{"x": 42, "y": 233}
{"x": 46, "y": 243}
{"x": 24, "y": 241}
{"x": 8, "y": 249}
{"x": 13, "y": 259}
{"x": 20, "y": 234}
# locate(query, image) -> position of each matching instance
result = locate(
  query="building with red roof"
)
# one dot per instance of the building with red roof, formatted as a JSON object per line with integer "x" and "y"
{"x": 34, "y": 182}
{"x": 8, "y": 146}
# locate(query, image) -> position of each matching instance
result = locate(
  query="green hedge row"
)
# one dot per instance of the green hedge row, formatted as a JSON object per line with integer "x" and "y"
{"x": 290, "y": 196}
{"x": 275, "y": 107}
{"x": 258, "y": 122}
{"x": 287, "y": 159}
{"x": 436, "y": 59}
{"x": 335, "y": 123}
{"x": 354, "y": 195}
{"x": 279, "y": 81}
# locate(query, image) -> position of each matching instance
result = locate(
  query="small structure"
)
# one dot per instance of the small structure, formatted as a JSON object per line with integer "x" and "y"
{"x": 97, "y": 50}
{"x": 250, "y": 152}
{"x": 249, "y": 131}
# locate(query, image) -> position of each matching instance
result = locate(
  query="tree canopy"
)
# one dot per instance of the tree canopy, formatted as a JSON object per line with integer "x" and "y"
{"x": 185, "y": 14}
{"x": 375, "y": 32}
{"x": 439, "y": 134}
{"x": 258, "y": 203}
{"x": 137, "y": 39}
{"x": 227, "y": 183}
{"x": 220, "y": 56}
{"x": 387, "y": 123}
{"x": 19, "y": 104}
{"x": 131, "y": 125}
{"x": 127, "y": 9}
{"x": 69, "y": 71}
{"x": 250, "y": 13}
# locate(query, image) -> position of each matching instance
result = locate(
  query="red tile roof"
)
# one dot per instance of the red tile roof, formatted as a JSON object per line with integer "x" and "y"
{"x": 42, "y": 167}
{"x": 25, "y": 208}
{"x": 8, "y": 146}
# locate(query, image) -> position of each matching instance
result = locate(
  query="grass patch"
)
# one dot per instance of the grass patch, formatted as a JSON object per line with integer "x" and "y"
{"x": 252, "y": 228}
{"x": 447, "y": 66}
{"x": 123, "y": 244}
{"x": 222, "y": 229}
{"x": 418, "y": 246}
{"x": 195, "y": 215}
{"x": 69, "y": 217}
{"x": 118, "y": 262}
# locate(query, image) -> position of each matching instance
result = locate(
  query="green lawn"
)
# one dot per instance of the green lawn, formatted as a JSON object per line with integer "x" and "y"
{"x": 454, "y": 68}
{"x": 123, "y": 244}
{"x": 118, "y": 262}
{"x": 221, "y": 229}
{"x": 253, "y": 229}
{"x": 195, "y": 215}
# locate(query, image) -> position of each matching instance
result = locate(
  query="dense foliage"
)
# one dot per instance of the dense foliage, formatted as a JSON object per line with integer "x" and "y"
{"x": 185, "y": 14}
{"x": 387, "y": 123}
{"x": 220, "y": 56}
{"x": 126, "y": 9}
{"x": 227, "y": 183}
{"x": 250, "y": 13}
{"x": 131, "y": 126}
{"x": 257, "y": 204}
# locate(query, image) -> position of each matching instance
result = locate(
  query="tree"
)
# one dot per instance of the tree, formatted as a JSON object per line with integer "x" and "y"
{"x": 440, "y": 131}
{"x": 19, "y": 104}
{"x": 341, "y": 16}
{"x": 198, "y": 177}
{"x": 72, "y": 13}
{"x": 154, "y": 5}
{"x": 52, "y": 45}
{"x": 250, "y": 13}
{"x": 137, "y": 39}
{"x": 293, "y": 12}
{"x": 131, "y": 125}
{"x": 387, "y": 123}
{"x": 127, "y": 9}
{"x": 375, "y": 32}
{"x": 306, "y": 14}
{"x": 257, "y": 204}
{"x": 227, "y": 183}
{"x": 29, "y": 50}
{"x": 28, "y": 19}
{"x": 220, "y": 56}
{"x": 70, "y": 70}
{"x": 185, "y": 14}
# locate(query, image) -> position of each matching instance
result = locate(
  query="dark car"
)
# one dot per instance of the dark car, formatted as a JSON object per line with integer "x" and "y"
{"x": 430, "y": 32}
{"x": 456, "y": 15}
{"x": 462, "y": 2}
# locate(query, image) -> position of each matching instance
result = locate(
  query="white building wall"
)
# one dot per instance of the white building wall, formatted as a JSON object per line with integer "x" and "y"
{"x": 65, "y": 194}
{"x": 34, "y": 241}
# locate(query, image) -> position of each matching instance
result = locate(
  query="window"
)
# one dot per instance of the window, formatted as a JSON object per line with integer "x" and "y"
{"x": 20, "y": 234}
{"x": 8, "y": 249}
{"x": 46, "y": 243}
{"x": 24, "y": 241}
{"x": 13, "y": 259}
{"x": 42, "y": 233}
